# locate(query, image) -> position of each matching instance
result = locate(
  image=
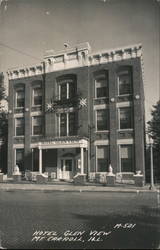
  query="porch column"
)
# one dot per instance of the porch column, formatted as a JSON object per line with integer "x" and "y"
{"x": 40, "y": 160}
{"x": 82, "y": 161}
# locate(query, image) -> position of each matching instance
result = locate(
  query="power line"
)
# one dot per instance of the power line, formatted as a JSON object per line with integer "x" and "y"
{"x": 19, "y": 51}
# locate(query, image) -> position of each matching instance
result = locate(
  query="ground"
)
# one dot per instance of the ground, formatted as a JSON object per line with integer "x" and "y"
{"x": 70, "y": 220}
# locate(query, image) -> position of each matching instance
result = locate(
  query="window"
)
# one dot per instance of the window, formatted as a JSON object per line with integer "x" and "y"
{"x": 63, "y": 91}
{"x": 67, "y": 90}
{"x": 125, "y": 82}
{"x": 20, "y": 158}
{"x": 37, "y": 125}
{"x": 37, "y": 96}
{"x": 19, "y": 125}
{"x": 68, "y": 124}
{"x": 101, "y": 86}
{"x": 63, "y": 124}
{"x": 19, "y": 98}
{"x": 102, "y": 119}
{"x": 72, "y": 123}
{"x": 126, "y": 158}
{"x": 125, "y": 119}
{"x": 102, "y": 158}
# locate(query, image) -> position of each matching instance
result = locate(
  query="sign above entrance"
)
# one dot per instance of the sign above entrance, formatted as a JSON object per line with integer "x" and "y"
{"x": 79, "y": 143}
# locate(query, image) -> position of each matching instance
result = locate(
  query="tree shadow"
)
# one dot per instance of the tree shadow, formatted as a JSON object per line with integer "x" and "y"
{"x": 144, "y": 235}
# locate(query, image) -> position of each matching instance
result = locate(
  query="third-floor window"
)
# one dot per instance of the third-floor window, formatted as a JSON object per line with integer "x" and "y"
{"x": 37, "y": 96}
{"x": 67, "y": 90}
{"x": 101, "y": 85}
{"x": 125, "y": 82}
{"x": 20, "y": 98}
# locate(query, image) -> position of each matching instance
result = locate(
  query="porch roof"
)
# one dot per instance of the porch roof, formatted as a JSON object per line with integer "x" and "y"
{"x": 61, "y": 142}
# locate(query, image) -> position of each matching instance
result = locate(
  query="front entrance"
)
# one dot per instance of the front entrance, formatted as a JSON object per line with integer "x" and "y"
{"x": 66, "y": 172}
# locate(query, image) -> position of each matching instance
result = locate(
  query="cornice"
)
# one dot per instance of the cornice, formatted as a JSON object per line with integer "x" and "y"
{"x": 76, "y": 57}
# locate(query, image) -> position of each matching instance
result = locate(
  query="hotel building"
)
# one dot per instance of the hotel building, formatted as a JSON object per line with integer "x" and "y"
{"x": 78, "y": 112}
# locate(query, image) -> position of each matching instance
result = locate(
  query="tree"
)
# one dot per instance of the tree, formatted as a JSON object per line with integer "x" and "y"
{"x": 154, "y": 125}
{"x": 3, "y": 127}
{"x": 154, "y": 132}
{"x": 2, "y": 89}
{"x": 3, "y": 113}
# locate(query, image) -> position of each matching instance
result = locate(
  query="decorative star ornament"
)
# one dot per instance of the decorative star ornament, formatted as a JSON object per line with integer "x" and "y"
{"x": 50, "y": 107}
{"x": 82, "y": 102}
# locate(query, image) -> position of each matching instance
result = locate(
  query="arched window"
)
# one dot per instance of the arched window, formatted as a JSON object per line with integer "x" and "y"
{"x": 67, "y": 87}
{"x": 124, "y": 80}
{"x": 101, "y": 84}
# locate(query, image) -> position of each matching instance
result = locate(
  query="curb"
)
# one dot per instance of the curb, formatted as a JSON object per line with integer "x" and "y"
{"x": 78, "y": 190}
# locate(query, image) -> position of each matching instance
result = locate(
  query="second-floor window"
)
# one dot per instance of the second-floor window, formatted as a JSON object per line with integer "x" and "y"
{"x": 19, "y": 98}
{"x": 37, "y": 96}
{"x": 68, "y": 124}
{"x": 125, "y": 118}
{"x": 102, "y": 117}
{"x": 125, "y": 82}
{"x": 101, "y": 86}
{"x": 37, "y": 125}
{"x": 19, "y": 126}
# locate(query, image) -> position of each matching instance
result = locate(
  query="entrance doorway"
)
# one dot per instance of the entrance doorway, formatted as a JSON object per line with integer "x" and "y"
{"x": 66, "y": 172}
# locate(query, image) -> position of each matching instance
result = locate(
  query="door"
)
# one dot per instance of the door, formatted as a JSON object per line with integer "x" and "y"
{"x": 66, "y": 169}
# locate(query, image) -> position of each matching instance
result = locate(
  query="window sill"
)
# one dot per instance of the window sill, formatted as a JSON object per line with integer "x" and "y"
{"x": 125, "y": 129}
{"x": 36, "y": 135}
{"x": 125, "y": 95}
{"x": 19, "y": 107}
{"x": 19, "y": 136}
{"x": 34, "y": 106}
{"x": 102, "y": 131}
{"x": 99, "y": 98}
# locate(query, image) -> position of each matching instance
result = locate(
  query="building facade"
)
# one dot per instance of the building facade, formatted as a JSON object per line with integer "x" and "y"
{"x": 78, "y": 112}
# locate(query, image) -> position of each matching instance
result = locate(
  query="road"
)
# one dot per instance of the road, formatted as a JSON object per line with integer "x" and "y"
{"x": 79, "y": 220}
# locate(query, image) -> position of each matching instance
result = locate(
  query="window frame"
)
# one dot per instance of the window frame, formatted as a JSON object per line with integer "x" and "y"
{"x": 131, "y": 117}
{"x": 108, "y": 159}
{"x": 67, "y": 124}
{"x": 33, "y": 117}
{"x": 22, "y": 118}
{"x": 96, "y": 123}
{"x": 132, "y": 158}
{"x": 104, "y": 76}
{"x": 33, "y": 97}
{"x": 67, "y": 82}
{"x": 122, "y": 72}
{"x": 16, "y": 99}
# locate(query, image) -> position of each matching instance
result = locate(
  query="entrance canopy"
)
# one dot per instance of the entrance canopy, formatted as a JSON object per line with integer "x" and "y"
{"x": 61, "y": 142}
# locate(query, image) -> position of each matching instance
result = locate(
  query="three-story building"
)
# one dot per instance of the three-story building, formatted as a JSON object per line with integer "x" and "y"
{"x": 78, "y": 112}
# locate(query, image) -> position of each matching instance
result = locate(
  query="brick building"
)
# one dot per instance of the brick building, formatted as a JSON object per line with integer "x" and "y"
{"x": 78, "y": 112}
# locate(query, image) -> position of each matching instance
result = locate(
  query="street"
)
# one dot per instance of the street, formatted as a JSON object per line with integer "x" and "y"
{"x": 84, "y": 220}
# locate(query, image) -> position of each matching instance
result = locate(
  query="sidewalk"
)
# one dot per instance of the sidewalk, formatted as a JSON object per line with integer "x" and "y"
{"x": 70, "y": 187}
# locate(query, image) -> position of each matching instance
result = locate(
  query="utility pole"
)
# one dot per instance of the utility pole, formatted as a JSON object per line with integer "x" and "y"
{"x": 152, "y": 187}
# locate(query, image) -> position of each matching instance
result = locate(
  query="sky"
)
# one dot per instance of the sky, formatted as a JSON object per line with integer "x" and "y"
{"x": 30, "y": 27}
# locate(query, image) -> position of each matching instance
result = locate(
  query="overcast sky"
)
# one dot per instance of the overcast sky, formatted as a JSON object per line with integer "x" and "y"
{"x": 34, "y": 26}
